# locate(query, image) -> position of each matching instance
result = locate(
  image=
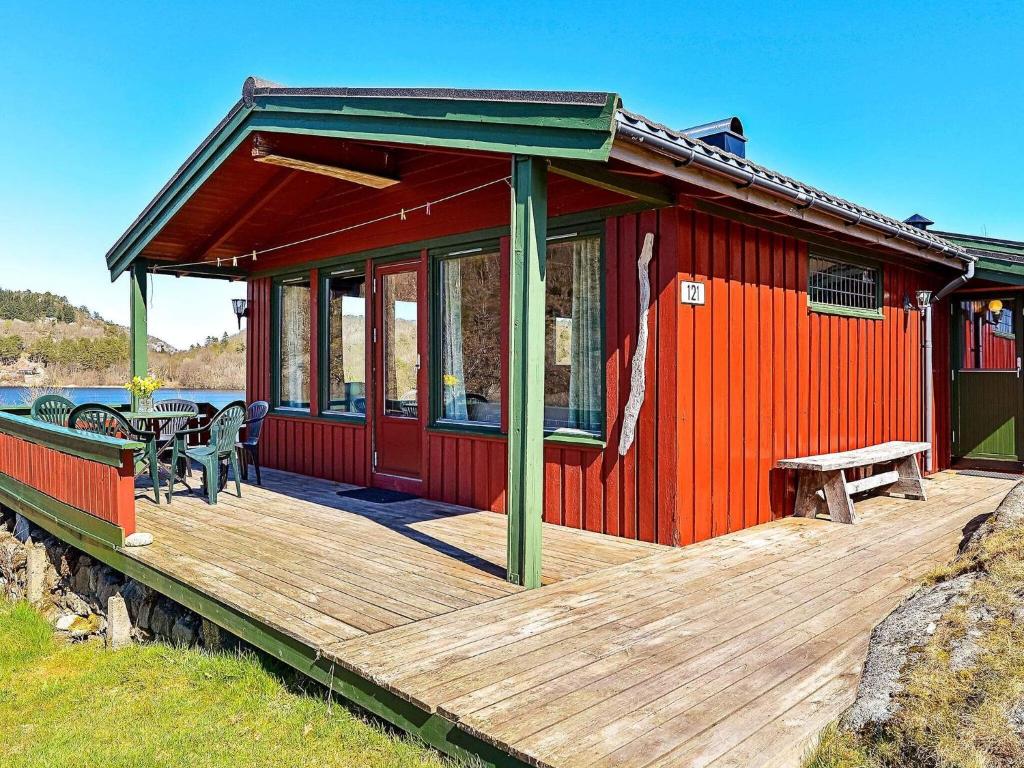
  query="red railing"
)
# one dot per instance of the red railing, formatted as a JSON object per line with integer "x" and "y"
{"x": 86, "y": 473}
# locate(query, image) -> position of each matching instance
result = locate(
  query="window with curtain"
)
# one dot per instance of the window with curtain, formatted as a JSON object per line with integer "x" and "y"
{"x": 469, "y": 303}
{"x": 573, "y": 373}
{"x": 346, "y": 344}
{"x": 293, "y": 344}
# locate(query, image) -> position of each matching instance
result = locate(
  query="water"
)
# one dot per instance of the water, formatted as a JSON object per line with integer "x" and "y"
{"x": 118, "y": 396}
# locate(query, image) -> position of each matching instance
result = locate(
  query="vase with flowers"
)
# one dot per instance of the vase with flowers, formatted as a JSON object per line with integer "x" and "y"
{"x": 142, "y": 390}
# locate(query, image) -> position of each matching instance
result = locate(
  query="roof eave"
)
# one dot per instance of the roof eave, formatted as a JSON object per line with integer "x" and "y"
{"x": 691, "y": 160}
{"x": 576, "y": 126}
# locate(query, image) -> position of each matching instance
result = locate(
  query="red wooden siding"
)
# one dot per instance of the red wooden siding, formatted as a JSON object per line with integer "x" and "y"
{"x": 750, "y": 377}
{"x": 100, "y": 490}
{"x": 995, "y": 350}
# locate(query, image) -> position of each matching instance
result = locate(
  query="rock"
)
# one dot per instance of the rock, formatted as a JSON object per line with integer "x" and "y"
{"x": 81, "y": 582}
{"x": 163, "y": 618}
{"x": 35, "y": 574}
{"x": 893, "y": 644}
{"x": 136, "y": 595}
{"x": 83, "y": 627}
{"x": 1009, "y": 514}
{"x": 212, "y": 636}
{"x": 71, "y": 601}
{"x": 64, "y": 623}
{"x": 22, "y": 529}
{"x": 139, "y": 539}
{"x": 119, "y": 626}
{"x": 185, "y": 631}
{"x": 108, "y": 584}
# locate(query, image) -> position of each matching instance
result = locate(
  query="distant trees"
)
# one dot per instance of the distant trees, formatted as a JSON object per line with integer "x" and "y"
{"x": 11, "y": 348}
{"x": 30, "y": 306}
{"x": 88, "y": 354}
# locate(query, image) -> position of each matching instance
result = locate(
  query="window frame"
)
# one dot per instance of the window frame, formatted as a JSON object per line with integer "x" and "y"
{"x": 277, "y": 285}
{"x": 877, "y": 313}
{"x": 583, "y": 438}
{"x": 435, "y": 257}
{"x": 323, "y": 351}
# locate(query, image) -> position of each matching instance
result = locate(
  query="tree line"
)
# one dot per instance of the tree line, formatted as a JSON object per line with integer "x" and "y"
{"x": 31, "y": 306}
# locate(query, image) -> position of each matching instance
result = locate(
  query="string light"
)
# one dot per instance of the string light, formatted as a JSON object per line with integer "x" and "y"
{"x": 401, "y": 215}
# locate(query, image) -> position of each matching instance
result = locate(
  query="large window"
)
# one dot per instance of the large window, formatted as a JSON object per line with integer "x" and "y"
{"x": 573, "y": 372}
{"x": 293, "y": 344}
{"x": 844, "y": 286}
{"x": 345, "y": 366}
{"x": 469, "y": 304}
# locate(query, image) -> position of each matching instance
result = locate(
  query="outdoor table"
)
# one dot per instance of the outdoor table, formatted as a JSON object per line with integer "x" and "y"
{"x": 158, "y": 419}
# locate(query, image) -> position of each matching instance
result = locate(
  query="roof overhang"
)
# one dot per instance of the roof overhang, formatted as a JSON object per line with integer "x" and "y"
{"x": 570, "y": 125}
{"x": 647, "y": 144}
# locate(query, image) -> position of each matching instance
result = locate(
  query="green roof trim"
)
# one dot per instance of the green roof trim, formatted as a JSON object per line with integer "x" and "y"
{"x": 999, "y": 260}
{"x": 544, "y": 124}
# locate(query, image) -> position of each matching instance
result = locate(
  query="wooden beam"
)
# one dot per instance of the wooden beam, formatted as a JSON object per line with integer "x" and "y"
{"x": 243, "y": 214}
{"x": 367, "y": 179}
{"x": 599, "y": 175}
{"x": 138, "y": 314}
{"x": 528, "y": 254}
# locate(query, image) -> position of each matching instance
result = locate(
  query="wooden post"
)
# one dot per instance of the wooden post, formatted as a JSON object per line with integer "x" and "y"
{"x": 527, "y": 268}
{"x": 139, "y": 322}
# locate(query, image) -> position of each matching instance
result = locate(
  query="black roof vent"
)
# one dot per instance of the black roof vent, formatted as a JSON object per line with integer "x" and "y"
{"x": 725, "y": 134}
{"x": 918, "y": 221}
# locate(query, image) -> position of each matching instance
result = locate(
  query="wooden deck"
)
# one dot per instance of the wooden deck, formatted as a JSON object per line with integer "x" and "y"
{"x": 732, "y": 652}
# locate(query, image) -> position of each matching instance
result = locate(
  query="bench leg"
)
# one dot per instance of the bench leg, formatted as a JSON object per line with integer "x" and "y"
{"x": 807, "y": 487}
{"x": 837, "y": 499}
{"x": 909, "y": 484}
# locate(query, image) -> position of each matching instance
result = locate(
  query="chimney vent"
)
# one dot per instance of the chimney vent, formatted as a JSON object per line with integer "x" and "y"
{"x": 918, "y": 221}
{"x": 725, "y": 134}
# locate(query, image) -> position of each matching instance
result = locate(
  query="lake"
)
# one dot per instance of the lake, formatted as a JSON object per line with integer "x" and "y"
{"x": 117, "y": 395}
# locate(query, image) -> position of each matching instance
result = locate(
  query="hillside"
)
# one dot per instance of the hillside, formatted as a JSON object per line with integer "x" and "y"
{"x": 47, "y": 341}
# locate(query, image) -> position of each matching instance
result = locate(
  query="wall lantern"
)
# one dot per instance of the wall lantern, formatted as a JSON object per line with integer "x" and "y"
{"x": 241, "y": 307}
{"x": 924, "y": 298}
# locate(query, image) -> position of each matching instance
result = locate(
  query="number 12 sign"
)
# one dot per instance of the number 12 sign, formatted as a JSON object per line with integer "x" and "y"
{"x": 691, "y": 293}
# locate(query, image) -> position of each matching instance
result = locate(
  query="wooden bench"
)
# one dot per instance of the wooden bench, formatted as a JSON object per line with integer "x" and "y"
{"x": 822, "y": 479}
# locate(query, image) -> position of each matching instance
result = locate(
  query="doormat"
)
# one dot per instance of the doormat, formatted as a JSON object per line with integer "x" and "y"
{"x": 376, "y": 495}
{"x": 993, "y": 475}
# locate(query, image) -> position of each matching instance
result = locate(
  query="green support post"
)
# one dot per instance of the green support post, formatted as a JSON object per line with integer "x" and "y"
{"x": 139, "y": 322}
{"x": 526, "y": 369}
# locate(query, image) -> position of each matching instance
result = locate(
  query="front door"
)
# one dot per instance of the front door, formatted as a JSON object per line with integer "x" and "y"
{"x": 397, "y": 430}
{"x": 988, "y": 389}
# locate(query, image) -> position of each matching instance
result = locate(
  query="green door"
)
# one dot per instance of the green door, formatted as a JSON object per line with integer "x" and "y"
{"x": 988, "y": 389}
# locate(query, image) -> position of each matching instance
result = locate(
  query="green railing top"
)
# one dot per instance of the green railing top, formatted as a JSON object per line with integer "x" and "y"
{"x": 74, "y": 442}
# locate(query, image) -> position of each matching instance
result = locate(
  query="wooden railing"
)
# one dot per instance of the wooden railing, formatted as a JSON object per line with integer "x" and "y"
{"x": 84, "y": 481}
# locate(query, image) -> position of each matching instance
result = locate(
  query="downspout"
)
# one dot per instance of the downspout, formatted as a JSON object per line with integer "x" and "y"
{"x": 928, "y": 396}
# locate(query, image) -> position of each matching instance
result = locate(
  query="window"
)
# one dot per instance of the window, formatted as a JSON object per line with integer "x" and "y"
{"x": 469, "y": 305}
{"x": 293, "y": 344}
{"x": 345, "y": 367}
{"x": 574, "y": 364}
{"x": 843, "y": 286}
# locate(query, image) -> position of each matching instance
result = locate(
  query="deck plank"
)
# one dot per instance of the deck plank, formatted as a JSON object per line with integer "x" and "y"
{"x": 731, "y": 652}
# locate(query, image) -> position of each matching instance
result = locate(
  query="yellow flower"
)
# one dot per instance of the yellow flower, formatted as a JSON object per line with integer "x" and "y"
{"x": 450, "y": 380}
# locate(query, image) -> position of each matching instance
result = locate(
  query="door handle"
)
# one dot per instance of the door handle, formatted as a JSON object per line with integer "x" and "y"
{"x": 1018, "y": 366}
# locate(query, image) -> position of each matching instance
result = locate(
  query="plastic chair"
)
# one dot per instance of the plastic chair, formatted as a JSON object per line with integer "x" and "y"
{"x": 53, "y": 409}
{"x": 223, "y": 428}
{"x": 249, "y": 447}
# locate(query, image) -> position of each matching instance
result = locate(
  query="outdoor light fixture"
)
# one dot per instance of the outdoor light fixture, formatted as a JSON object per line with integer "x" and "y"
{"x": 907, "y": 304}
{"x": 241, "y": 307}
{"x": 924, "y": 298}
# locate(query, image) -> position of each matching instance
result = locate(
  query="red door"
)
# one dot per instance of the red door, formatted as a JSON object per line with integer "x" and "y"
{"x": 398, "y": 429}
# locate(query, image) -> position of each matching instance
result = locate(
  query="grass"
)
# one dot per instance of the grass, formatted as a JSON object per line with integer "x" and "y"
{"x": 153, "y": 705}
{"x": 956, "y": 716}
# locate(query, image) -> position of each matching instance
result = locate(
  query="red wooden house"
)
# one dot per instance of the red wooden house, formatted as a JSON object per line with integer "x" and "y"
{"x": 446, "y": 289}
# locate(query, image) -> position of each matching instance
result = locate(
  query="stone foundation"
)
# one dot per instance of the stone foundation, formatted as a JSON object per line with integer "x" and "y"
{"x": 83, "y": 598}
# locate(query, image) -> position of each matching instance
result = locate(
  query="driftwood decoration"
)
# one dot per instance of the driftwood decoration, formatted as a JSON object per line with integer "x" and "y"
{"x": 637, "y": 382}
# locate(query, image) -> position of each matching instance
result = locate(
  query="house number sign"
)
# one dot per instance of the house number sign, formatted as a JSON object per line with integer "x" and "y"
{"x": 691, "y": 293}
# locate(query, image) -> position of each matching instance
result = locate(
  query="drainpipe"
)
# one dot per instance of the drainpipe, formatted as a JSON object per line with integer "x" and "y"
{"x": 928, "y": 396}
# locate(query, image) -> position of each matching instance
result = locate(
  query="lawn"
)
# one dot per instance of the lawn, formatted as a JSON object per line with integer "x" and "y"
{"x": 153, "y": 705}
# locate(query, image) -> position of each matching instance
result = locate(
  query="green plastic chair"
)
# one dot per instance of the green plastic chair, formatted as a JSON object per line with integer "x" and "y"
{"x": 103, "y": 420}
{"x": 223, "y": 428}
{"x": 53, "y": 409}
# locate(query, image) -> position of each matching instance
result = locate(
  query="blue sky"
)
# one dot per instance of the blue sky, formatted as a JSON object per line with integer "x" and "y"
{"x": 904, "y": 109}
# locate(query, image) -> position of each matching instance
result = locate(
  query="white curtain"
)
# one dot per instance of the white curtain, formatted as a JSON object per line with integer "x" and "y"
{"x": 454, "y": 380}
{"x": 585, "y": 347}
